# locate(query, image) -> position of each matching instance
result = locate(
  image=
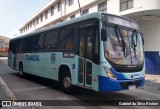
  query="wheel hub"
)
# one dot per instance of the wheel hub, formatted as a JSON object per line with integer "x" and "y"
{"x": 67, "y": 82}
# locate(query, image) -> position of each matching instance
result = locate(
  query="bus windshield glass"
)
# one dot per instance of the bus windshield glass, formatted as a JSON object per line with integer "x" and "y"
{"x": 123, "y": 47}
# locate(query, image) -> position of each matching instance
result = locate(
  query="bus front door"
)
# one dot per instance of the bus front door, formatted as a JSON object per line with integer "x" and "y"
{"x": 85, "y": 57}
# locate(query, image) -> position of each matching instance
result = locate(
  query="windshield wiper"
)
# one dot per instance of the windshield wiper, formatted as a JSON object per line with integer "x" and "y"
{"x": 121, "y": 43}
{"x": 134, "y": 44}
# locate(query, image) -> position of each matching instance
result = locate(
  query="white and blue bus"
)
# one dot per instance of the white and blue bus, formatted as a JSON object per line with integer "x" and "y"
{"x": 98, "y": 51}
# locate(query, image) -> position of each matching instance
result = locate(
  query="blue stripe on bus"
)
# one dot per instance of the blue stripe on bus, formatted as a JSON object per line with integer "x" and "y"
{"x": 106, "y": 84}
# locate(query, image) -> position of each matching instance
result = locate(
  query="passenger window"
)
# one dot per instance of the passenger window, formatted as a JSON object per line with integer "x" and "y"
{"x": 21, "y": 46}
{"x": 51, "y": 40}
{"x": 29, "y": 44}
{"x": 66, "y": 39}
{"x": 38, "y": 42}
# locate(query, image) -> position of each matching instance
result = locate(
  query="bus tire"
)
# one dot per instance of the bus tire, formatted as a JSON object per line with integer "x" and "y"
{"x": 66, "y": 83}
{"x": 21, "y": 73}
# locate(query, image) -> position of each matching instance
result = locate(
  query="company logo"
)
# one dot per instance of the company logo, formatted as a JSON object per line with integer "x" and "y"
{"x": 53, "y": 58}
{"x": 135, "y": 75}
{"x": 32, "y": 57}
{"x": 6, "y": 103}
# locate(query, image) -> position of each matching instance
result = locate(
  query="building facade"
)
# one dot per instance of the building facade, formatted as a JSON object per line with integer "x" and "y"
{"x": 60, "y": 10}
{"x": 145, "y": 12}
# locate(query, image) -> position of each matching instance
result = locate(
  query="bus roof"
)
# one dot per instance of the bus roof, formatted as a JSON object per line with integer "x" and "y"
{"x": 67, "y": 22}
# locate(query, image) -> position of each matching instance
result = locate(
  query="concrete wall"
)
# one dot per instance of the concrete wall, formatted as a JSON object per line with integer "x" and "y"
{"x": 151, "y": 32}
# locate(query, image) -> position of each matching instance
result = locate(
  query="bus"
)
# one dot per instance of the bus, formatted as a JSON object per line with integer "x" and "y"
{"x": 98, "y": 51}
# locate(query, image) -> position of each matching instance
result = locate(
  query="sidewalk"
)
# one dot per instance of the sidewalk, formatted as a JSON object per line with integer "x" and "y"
{"x": 154, "y": 78}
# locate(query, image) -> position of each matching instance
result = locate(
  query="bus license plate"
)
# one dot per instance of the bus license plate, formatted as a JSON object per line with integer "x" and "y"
{"x": 130, "y": 87}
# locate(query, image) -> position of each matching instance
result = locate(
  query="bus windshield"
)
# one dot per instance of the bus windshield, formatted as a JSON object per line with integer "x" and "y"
{"x": 123, "y": 47}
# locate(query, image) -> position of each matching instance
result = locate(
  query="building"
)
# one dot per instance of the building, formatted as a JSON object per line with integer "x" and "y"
{"x": 60, "y": 10}
{"x": 4, "y": 44}
{"x": 145, "y": 12}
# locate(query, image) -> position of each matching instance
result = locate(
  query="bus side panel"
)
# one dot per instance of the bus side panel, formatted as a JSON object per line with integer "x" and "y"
{"x": 50, "y": 64}
{"x": 27, "y": 64}
{"x": 53, "y": 61}
{"x": 95, "y": 73}
{"x": 33, "y": 63}
{"x": 10, "y": 60}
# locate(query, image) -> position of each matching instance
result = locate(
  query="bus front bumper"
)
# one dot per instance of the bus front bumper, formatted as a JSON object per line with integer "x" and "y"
{"x": 106, "y": 84}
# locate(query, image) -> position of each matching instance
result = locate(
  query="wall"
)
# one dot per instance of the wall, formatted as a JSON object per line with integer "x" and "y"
{"x": 151, "y": 32}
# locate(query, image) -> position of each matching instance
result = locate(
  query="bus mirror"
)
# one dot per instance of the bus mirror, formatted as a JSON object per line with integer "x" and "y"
{"x": 103, "y": 34}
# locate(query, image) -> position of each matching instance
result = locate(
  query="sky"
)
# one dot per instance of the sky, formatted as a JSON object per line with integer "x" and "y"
{"x": 15, "y": 13}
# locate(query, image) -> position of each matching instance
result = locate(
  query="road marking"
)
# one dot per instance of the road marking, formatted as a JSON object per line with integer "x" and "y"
{"x": 8, "y": 91}
{"x": 30, "y": 89}
{"x": 3, "y": 57}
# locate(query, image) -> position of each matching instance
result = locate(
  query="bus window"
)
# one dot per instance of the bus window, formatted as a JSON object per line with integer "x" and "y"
{"x": 11, "y": 47}
{"x": 29, "y": 43}
{"x": 21, "y": 46}
{"x": 66, "y": 39}
{"x": 51, "y": 40}
{"x": 92, "y": 45}
{"x": 38, "y": 42}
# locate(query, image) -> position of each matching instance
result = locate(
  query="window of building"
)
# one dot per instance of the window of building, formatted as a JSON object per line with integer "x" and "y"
{"x": 51, "y": 40}
{"x": 33, "y": 22}
{"x": 37, "y": 21}
{"x": 31, "y": 25}
{"x": 73, "y": 16}
{"x": 59, "y": 6}
{"x": 52, "y": 11}
{"x": 46, "y": 14}
{"x": 126, "y": 4}
{"x": 85, "y": 12}
{"x": 66, "y": 39}
{"x": 28, "y": 26}
{"x": 41, "y": 17}
{"x": 71, "y": 2}
{"x": 102, "y": 7}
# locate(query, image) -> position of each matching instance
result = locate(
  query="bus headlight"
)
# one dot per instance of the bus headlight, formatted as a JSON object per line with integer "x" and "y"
{"x": 109, "y": 73}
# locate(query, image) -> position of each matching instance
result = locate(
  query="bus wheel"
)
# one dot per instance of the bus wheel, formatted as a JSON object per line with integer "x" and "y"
{"x": 66, "y": 83}
{"x": 21, "y": 73}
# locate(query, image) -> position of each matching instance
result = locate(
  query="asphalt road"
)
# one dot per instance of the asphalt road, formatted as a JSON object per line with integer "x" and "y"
{"x": 34, "y": 88}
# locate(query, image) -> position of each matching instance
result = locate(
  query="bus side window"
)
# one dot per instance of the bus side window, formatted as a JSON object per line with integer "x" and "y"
{"x": 29, "y": 44}
{"x": 51, "y": 40}
{"x": 66, "y": 39}
{"x": 21, "y": 45}
{"x": 38, "y": 42}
